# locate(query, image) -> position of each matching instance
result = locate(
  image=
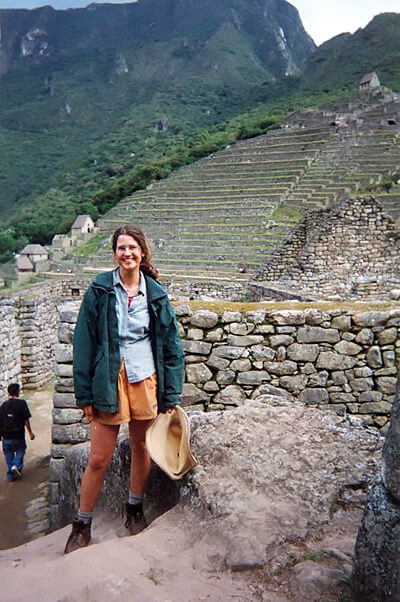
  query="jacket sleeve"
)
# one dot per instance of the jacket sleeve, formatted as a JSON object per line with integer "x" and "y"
{"x": 174, "y": 362}
{"x": 84, "y": 350}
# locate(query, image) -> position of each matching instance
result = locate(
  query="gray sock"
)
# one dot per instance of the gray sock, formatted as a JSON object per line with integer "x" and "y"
{"x": 135, "y": 499}
{"x": 84, "y": 517}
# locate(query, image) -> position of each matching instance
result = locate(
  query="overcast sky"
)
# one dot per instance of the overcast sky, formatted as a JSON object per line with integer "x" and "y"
{"x": 322, "y": 19}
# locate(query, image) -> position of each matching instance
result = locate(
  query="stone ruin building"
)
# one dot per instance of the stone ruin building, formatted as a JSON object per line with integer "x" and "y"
{"x": 350, "y": 250}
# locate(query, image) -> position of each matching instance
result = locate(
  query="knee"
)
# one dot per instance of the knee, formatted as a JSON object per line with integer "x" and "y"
{"x": 98, "y": 462}
{"x": 139, "y": 447}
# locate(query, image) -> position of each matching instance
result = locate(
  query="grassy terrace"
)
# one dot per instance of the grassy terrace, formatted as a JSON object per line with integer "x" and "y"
{"x": 235, "y": 206}
{"x": 221, "y": 306}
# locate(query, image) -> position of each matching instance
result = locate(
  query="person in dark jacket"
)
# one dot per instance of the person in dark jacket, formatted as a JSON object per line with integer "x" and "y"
{"x": 14, "y": 419}
{"x": 128, "y": 365}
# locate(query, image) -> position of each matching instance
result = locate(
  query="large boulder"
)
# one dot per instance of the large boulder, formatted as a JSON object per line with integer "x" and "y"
{"x": 269, "y": 474}
{"x": 391, "y": 450}
{"x": 376, "y": 567}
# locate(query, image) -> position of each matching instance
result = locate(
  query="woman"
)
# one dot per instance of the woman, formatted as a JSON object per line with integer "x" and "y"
{"x": 128, "y": 365}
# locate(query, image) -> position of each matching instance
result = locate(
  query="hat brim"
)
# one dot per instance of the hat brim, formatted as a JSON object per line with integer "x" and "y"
{"x": 168, "y": 443}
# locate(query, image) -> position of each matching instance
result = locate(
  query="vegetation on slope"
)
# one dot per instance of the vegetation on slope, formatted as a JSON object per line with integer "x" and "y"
{"x": 57, "y": 164}
{"x": 41, "y": 219}
{"x": 343, "y": 60}
{"x": 81, "y": 108}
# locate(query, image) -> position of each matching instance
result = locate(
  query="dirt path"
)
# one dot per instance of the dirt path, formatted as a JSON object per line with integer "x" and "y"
{"x": 15, "y": 496}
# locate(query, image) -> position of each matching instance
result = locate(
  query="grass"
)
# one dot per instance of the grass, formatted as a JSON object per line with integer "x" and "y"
{"x": 89, "y": 248}
{"x": 286, "y": 214}
{"x": 152, "y": 576}
{"x": 315, "y": 556}
{"x": 222, "y": 306}
{"x": 17, "y": 287}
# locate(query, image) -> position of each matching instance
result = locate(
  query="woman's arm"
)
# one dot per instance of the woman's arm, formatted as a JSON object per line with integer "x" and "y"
{"x": 174, "y": 362}
{"x": 85, "y": 346}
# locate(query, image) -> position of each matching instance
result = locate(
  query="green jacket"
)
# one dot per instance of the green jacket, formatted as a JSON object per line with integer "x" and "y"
{"x": 97, "y": 359}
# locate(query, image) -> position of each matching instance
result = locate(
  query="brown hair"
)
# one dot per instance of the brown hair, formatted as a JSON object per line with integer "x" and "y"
{"x": 137, "y": 233}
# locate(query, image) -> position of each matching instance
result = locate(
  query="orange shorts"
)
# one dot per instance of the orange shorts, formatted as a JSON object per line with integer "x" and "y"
{"x": 136, "y": 401}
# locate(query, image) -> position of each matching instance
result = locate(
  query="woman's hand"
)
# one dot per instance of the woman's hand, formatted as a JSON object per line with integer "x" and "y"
{"x": 88, "y": 411}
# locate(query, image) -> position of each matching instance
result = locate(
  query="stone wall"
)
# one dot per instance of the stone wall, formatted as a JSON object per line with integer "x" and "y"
{"x": 28, "y": 332}
{"x": 331, "y": 251}
{"x": 205, "y": 288}
{"x": 37, "y": 326}
{"x": 340, "y": 361}
{"x": 10, "y": 346}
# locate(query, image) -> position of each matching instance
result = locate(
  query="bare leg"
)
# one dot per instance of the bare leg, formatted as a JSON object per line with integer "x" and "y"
{"x": 140, "y": 459}
{"x": 102, "y": 444}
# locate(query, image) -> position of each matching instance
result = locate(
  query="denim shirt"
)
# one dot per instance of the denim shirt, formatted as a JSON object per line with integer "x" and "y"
{"x": 134, "y": 331}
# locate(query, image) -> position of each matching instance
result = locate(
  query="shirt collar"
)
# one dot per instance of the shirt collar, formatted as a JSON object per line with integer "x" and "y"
{"x": 142, "y": 282}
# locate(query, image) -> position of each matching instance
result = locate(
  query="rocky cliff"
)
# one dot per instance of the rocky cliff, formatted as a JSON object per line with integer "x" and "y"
{"x": 83, "y": 91}
{"x": 44, "y": 37}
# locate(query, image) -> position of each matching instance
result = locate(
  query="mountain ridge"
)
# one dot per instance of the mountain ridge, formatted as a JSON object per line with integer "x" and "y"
{"x": 81, "y": 139}
{"x": 373, "y": 48}
{"x": 50, "y": 32}
{"x": 76, "y": 115}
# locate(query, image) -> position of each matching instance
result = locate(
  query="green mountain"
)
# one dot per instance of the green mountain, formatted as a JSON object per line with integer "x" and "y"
{"x": 343, "y": 60}
{"x": 96, "y": 103}
{"x": 89, "y": 94}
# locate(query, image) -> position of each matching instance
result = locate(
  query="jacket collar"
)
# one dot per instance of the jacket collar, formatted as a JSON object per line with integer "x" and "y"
{"x": 155, "y": 290}
{"x": 142, "y": 282}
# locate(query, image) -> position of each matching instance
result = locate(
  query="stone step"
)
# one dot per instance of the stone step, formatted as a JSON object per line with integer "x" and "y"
{"x": 280, "y": 147}
{"x": 211, "y": 263}
{"x": 211, "y": 199}
{"x": 216, "y": 188}
{"x": 233, "y": 172}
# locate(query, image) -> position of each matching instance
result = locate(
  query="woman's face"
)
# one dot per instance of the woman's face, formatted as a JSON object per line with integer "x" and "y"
{"x": 128, "y": 253}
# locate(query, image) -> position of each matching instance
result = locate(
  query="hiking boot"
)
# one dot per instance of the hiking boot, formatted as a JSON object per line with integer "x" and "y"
{"x": 79, "y": 537}
{"x": 135, "y": 520}
{"x": 16, "y": 472}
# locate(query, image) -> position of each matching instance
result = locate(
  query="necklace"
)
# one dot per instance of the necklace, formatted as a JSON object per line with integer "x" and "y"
{"x": 131, "y": 289}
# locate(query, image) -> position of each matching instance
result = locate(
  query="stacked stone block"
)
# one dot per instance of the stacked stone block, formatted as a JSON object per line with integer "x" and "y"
{"x": 9, "y": 346}
{"x": 37, "y": 321}
{"x": 337, "y": 360}
{"x": 334, "y": 251}
{"x": 69, "y": 425}
{"x": 205, "y": 288}
{"x": 28, "y": 332}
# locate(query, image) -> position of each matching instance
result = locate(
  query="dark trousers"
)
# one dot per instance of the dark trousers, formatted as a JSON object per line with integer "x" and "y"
{"x": 14, "y": 452}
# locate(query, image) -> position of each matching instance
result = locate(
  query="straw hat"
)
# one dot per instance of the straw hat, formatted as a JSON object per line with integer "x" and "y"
{"x": 167, "y": 441}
